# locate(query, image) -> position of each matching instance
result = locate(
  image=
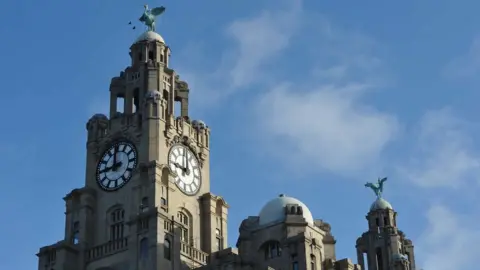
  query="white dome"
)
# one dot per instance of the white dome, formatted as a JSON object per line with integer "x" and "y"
{"x": 150, "y": 36}
{"x": 274, "y": 210}
{"x": 380, "y": 204}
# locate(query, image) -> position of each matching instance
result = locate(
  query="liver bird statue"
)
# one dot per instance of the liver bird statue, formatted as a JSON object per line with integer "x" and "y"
{"x": 149, "y": 16}
{"x": 377, "y": 187}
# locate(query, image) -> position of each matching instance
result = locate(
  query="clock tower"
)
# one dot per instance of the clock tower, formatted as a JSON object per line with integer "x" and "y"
{"x": 146, "y": 202}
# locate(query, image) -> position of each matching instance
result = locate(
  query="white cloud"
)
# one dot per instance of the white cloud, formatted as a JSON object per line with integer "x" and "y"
{"x": 443, "y": 155}
{"x": 467, "y": 65}
{"x": 449, "y": 241}
{"x": 257, "y": 40}
{"x": 327, "y": 127}
{"x": 260, "y": 39}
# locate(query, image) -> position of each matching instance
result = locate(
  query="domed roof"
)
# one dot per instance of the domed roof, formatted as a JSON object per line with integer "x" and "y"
{"x": 274, "y": 210}
{"x": 150, "y": 36}
{"x": 380, "y": 204}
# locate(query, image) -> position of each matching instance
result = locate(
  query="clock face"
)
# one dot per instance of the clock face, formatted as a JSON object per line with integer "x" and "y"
{"x": 115, "y": 167}
{"x": 184, "y": 162}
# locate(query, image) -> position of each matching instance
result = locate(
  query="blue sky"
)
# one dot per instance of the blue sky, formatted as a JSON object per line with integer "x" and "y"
{"x": 309, "y": 98}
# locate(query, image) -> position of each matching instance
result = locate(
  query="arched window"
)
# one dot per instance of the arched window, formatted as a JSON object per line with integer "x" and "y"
{"x": 144, "y": 204}
{"x": 218, "y": 238}
{"x": 144, "y": 248}
{"x": 117, "y": 217}
{"x": 313, "y": 262}
{"x": 272, "y": 249}
{"x": 184, "y": 219}
{"x": 75, "y": 232}
{"x": 167, "y": 252}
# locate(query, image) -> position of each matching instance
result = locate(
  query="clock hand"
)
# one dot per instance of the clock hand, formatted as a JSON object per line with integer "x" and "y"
{"x": 187, "y": 170}
{"x": 115, "y": 150}
{"x": 106, "y": 169}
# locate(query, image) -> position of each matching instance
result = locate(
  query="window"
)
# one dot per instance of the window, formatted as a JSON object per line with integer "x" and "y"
{"x": 163, "y": 201}
{"x": 116, "y": 224}
{"x": 75, "y": 232}
{"x": 183, "y": 218}
{"x": 144, "y": 248}
{"x": 184, "y": 235}
{"x": 166, "y": 249}
{"x": 150, "y": 55}
{"x": 385, "y": 221}
{"x": 218, "y": 239}
{"x": 379, "y": 258}
{"x": 295, "y": 265}
{"x": 185, "y": 221}
{"x": 313, "y": 262}
{"x": 52, "y": 256}
{"x": 144, "y": 204}
{"x": 272, "y": 249}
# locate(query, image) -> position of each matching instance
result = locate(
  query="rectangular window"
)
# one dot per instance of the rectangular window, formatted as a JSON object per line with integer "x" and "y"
{"x": 116, "y": 232}
{"x": 295, "y": 266}
{"x": 219, "y": 244}
{"x": 184, "y": 235}
{"x": 75, "y": 232}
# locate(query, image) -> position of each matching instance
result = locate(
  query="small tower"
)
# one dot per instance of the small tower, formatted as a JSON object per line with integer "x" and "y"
{"x": 384, "y": 246}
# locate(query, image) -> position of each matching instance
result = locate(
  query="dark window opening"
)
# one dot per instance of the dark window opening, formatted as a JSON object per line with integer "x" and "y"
{"x": 150, "y": 55}
{"x": 379, "y": 259}
{"x": 144, "y": 204}
{"x": 272, "y": 250}
{"x": 219, "y": 244}
{"x": 161, "y": 57}
{"x": 165, "y": 94}
{"x": 155, "y": 109}
{"x": 76, "y": 232}
{"x": 116, "y": 227}
{"x": 140, "y": 57}
{"x": 52, "y": 256}
{"x": 163, "y": 201}
{"x": 144, "y": 248}
{"x": 295, "y": 266}
{"x": 385, "y": 221}
{"x": 136, "y": 100}
{"x": 313, "y": 262}
{"x": 218, "y": 235}
{"x": 183, "y": 218}
{"x": 166, "y": 249}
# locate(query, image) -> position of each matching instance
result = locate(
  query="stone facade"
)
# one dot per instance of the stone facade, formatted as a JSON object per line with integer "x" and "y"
{"x": 144, "y": 207}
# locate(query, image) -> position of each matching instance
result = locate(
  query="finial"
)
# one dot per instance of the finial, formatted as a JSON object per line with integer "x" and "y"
{"x": 377, "y": 187}
{"x": 149, "y": 16}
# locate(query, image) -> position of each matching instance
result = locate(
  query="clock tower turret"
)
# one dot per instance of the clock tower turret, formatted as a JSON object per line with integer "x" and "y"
{"x": 146, "y": 203}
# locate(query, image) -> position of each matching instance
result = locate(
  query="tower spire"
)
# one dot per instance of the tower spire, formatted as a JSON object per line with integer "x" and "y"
{"x": 383, "y": 246}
